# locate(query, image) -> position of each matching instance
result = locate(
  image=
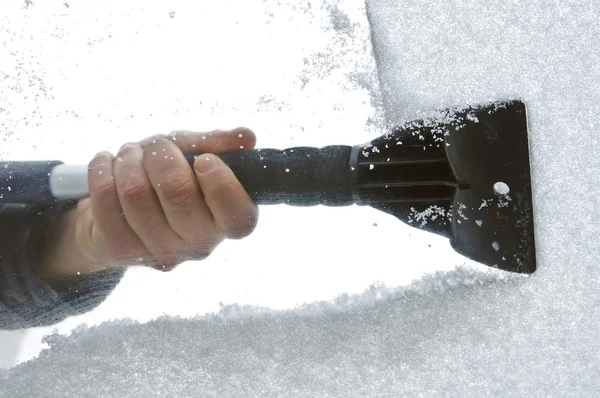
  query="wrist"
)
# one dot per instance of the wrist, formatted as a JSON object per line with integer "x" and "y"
{"x": 59, "y": 255}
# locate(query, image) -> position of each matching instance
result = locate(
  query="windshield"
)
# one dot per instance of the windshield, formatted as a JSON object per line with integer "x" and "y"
{"x": 221, "y": 183}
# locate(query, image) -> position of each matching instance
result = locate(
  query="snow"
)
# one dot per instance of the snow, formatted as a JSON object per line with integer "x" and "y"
{"x": 466, "y": 331}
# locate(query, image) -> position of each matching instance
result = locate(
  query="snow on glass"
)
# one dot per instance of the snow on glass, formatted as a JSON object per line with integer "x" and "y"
{"x": 461, "y": 54}
{"x": 430, "y": 214}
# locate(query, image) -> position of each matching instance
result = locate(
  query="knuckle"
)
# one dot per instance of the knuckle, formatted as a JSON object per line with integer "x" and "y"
{"x": 101, "y": 156}
{"x": 100, "y": 162}
{"x": 133, "y": 189}
{"x": 152, "y": 140}
{"x": 128, "y": 147}
{"x": 177, "y": 188}
{"x": 173, "y": 135}
{"x": 105, "y": 188}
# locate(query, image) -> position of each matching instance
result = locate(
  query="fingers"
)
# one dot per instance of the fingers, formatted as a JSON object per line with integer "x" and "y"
{"x": 107, "y": 232}
{"x": 235, "y": 214}
{"x": 217, "y": 141}
{"x": 141, "y": 206}
{"x": 147, "y": 202}
{"x": 179, "y": 195}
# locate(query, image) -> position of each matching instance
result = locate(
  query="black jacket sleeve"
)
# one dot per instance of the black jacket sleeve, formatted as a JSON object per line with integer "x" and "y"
{"x": 26, "y": 300}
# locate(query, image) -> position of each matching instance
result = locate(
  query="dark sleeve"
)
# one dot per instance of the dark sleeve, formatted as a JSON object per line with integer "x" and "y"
{"x": 26, "y": 300}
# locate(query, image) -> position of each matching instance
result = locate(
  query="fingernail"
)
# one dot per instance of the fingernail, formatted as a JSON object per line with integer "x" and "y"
{"x": 206, "y": 164}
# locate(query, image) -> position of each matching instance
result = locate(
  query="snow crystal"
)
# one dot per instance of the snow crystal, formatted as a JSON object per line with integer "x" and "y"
{"x": 459, "y": 211}
{"x": 484, "y": 203}
{"x": 429, "y": 214}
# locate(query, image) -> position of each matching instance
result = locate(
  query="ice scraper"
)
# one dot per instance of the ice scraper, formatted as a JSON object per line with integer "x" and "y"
{"x": 463, "y": 174}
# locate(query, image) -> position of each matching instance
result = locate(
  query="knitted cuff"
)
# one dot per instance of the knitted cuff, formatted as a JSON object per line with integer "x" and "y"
{"x": 27, "y": 300}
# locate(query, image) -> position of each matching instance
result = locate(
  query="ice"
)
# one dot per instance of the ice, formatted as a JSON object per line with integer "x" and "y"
{"x": 467, "y": 332}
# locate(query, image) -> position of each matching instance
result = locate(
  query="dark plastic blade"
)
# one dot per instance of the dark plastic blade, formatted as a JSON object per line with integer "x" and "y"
{"x": 465, "y": 175}
{"x": 493, "y": 216}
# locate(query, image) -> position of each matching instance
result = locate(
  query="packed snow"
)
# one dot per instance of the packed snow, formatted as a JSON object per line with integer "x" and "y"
{"x": 300, "y": 311}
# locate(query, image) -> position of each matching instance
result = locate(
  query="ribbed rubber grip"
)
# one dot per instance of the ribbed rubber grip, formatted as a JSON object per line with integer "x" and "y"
{"x": 301, "y": 176}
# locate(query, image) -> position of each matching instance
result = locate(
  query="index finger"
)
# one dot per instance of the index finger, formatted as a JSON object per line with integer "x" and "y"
{"x": 216, "y": 141}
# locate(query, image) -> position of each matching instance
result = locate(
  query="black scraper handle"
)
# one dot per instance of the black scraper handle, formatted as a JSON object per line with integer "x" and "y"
{"x": 301, "y": 176}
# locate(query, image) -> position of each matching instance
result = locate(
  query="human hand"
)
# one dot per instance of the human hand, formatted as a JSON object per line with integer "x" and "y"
{"x": 146, "y": 206}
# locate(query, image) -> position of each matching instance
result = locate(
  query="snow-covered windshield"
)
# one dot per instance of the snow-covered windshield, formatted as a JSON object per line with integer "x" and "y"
{"x": 338, "y": 300}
